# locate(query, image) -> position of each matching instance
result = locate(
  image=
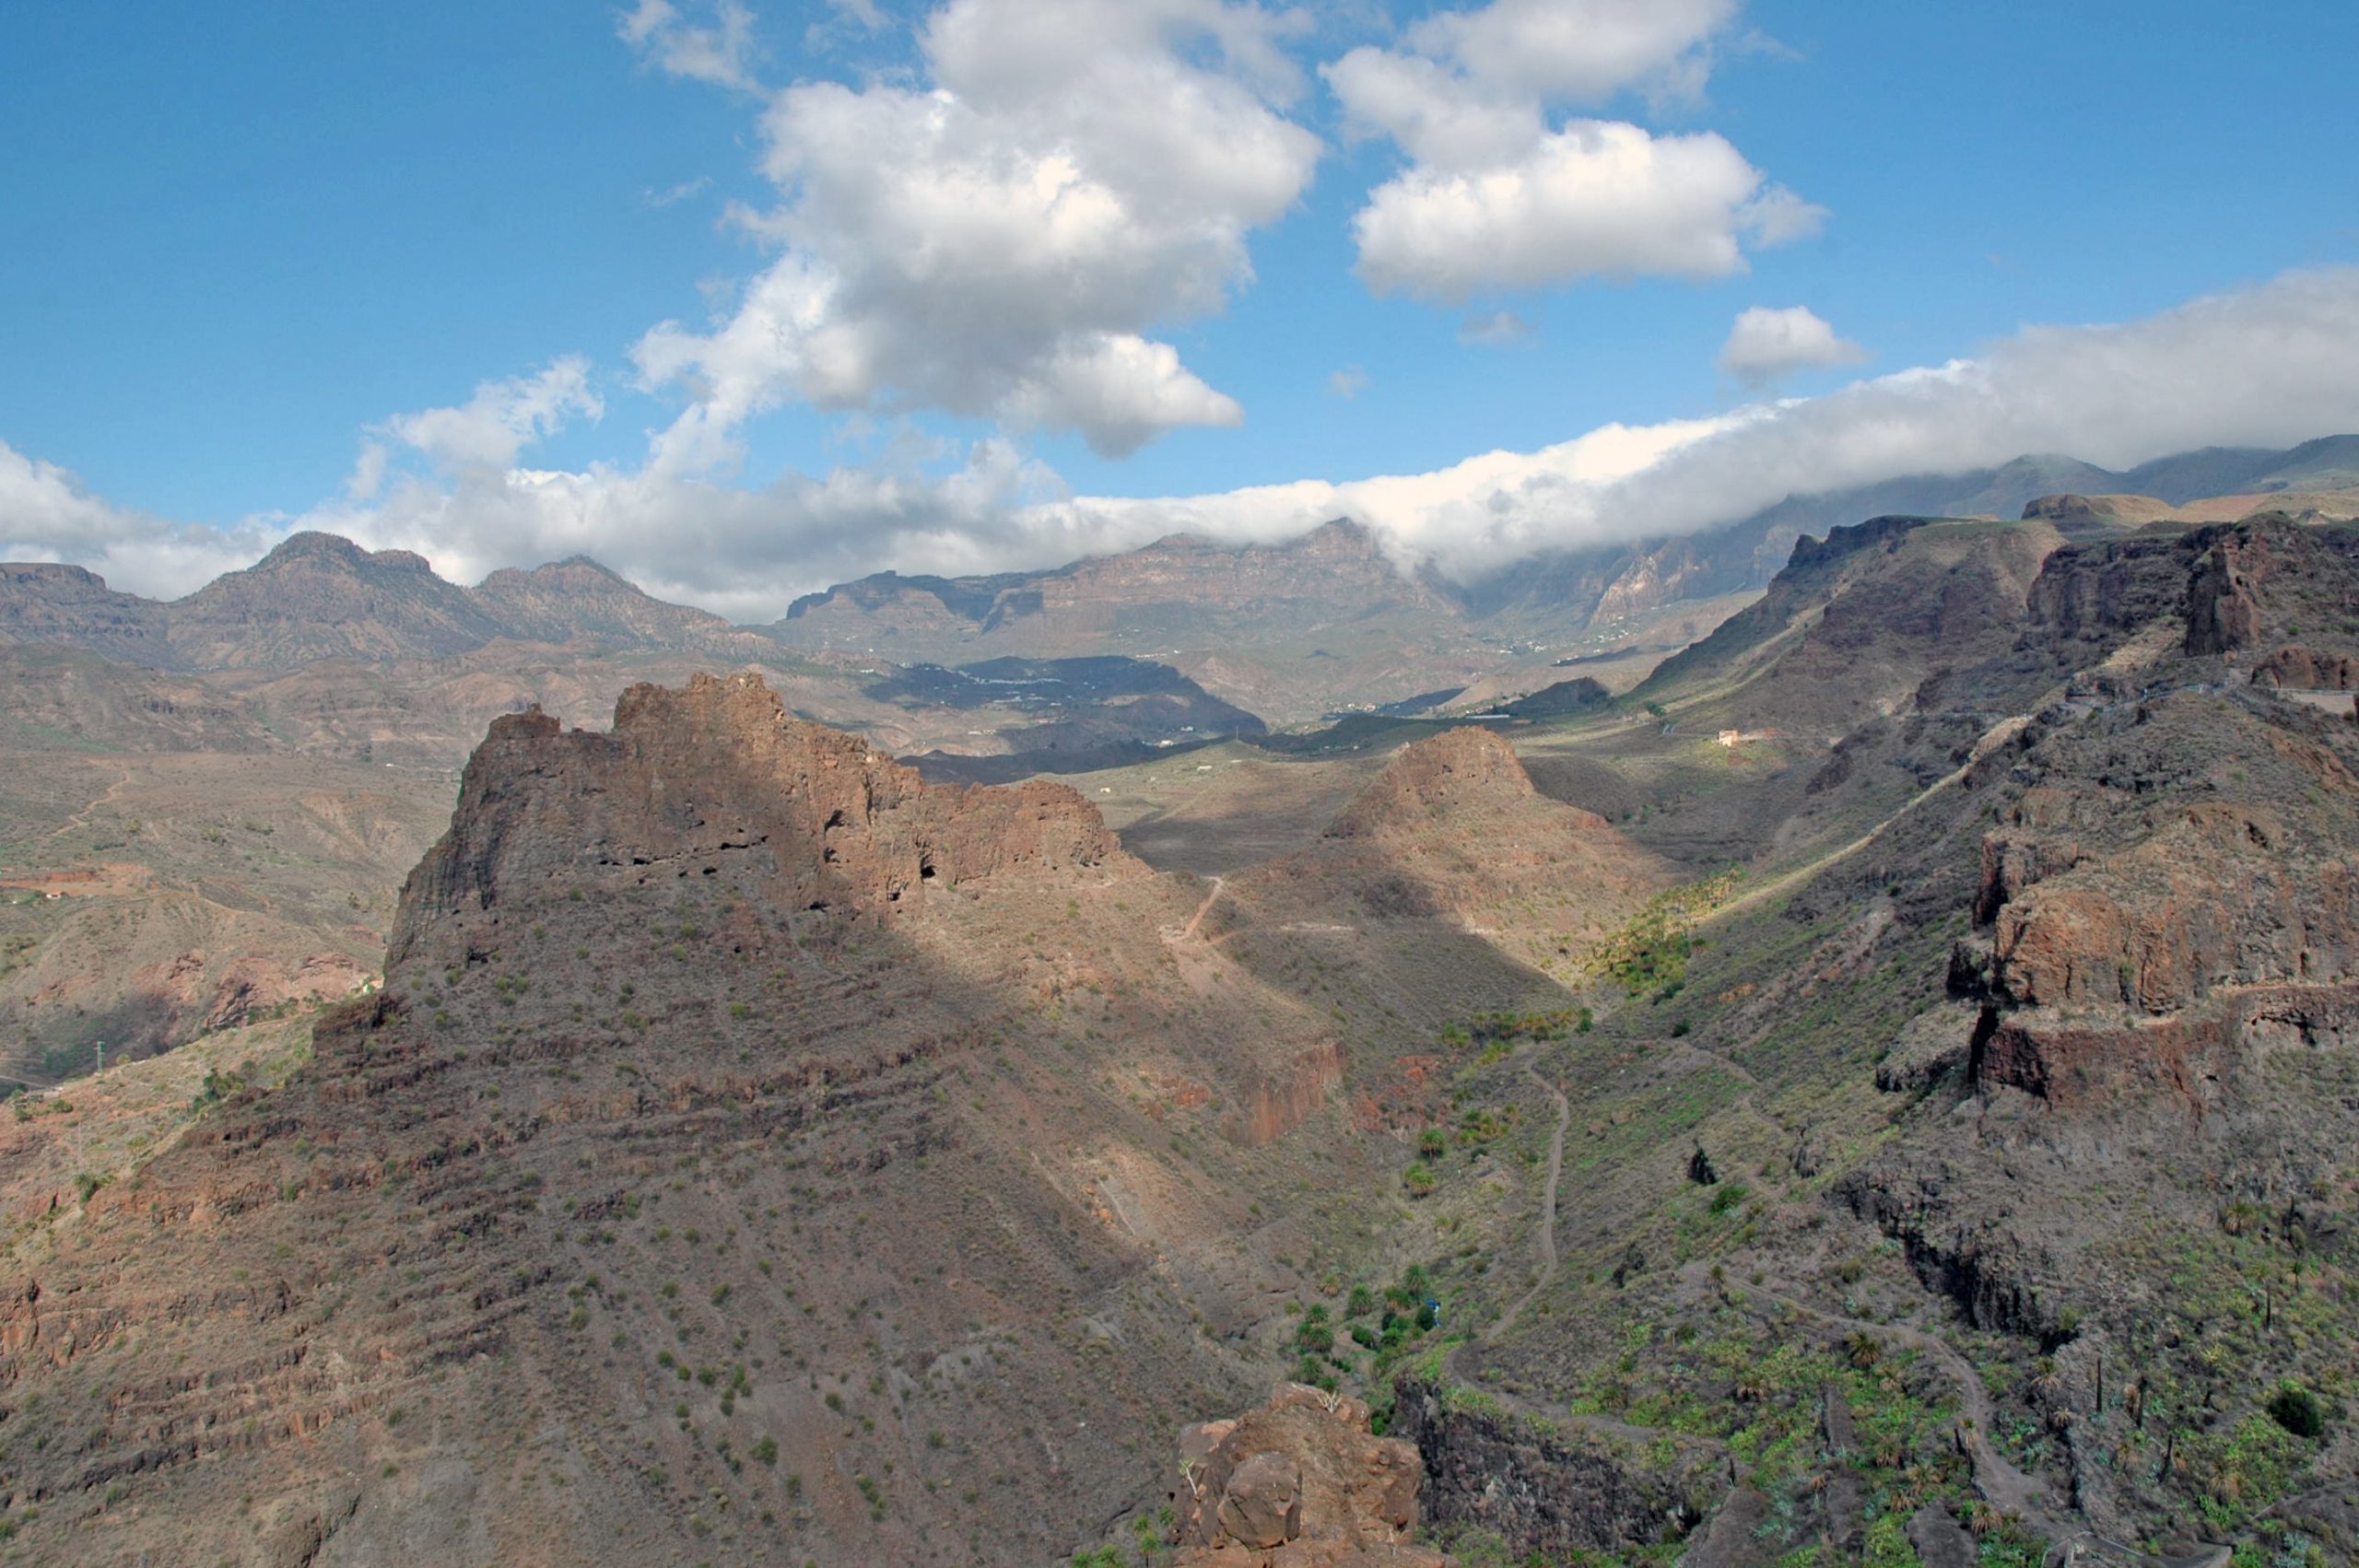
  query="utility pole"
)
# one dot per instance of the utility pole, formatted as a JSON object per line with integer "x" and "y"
{"x": 102, "y": 1055}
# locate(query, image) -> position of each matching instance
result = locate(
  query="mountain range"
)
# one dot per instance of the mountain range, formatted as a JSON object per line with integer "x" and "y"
{"x": 1286, "y": 632}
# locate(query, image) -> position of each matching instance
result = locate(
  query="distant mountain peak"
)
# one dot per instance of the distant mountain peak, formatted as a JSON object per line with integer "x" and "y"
{"x": 50, "y": 572}
{"x": 1339, "y": 531}
{"x": 575, "y": 573}
{"x": 314, "y": 547}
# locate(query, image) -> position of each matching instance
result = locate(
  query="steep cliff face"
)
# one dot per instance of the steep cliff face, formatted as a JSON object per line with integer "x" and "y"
{"x": 1551, "y": 1495}
{"x": 2269, "y": 575}
{"x": 2175, "y": 861}
{"x": 714, "y": 774}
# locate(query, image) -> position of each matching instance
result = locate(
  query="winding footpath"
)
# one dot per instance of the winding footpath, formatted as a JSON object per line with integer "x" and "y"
{"x": 2003, "y": 1486}
{"x": 1454, "y": 1364}
{"x": 1547, "y": 1237}
{"x": 1197, "y": 919}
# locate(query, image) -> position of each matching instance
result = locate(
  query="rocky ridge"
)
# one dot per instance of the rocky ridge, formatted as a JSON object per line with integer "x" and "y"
{"x": 726, "y": 1165}
{"x": 318, "y": 596}
{"x": 1454, "y": 828}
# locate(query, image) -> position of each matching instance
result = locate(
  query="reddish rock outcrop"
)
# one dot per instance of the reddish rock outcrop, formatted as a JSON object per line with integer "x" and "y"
{"x": 2168, "y": 882}
{"x": 1283, "y": 1104}
{"x": 2265, "y": 578}
{"x": 1302, "y": 1482}
{"x": 2308, "y": 670}
{"x": 2080, "y": 1064}
{"x": 718, "y": 771}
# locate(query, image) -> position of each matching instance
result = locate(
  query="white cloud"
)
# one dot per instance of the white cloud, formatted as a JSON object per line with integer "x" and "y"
{"x": 1348, "y": 382}
{"x": 722, "y": 52}
{"x": 1000, "y": 241}
{"x": 1584, "y": 51}
{"x": 743, "y": 551}
{"x": 1494, "y": 329}
{"x": 1597, "y": 199}
{"x": 1497, "y": 196}
{"x": 46, "y": 514}
{"x": 1120, "y": 388}
{"x": 493, "y": 427}
{"x": 2267, "y": 365}
{"x": 672, "y": 195}
{"x": 1766, "y": 344}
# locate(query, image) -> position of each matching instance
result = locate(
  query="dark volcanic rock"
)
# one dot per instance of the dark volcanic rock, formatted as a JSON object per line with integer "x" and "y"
{"x": 1543, "y": 1492}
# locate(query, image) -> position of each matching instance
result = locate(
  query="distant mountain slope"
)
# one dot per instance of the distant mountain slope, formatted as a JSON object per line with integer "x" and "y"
{"x": 71, "y": 607}
{"x": 1284, "y": 629}
{"x": 1177, "y": 586}
{"x": 1287, "y": 631}
{"x": 318, "y": 596}
{"x": 577, "y": 597}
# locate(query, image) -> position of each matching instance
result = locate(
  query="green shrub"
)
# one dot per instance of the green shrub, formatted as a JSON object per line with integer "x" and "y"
{"x": 2298, "y": 1411}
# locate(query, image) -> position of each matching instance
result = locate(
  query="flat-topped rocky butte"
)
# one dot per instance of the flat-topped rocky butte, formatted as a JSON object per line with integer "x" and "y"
{"x": 720, "y": 780}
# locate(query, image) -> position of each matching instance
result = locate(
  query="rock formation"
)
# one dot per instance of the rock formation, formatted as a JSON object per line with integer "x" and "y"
{"x": 718, "y": 775}
{"x": 1300, "y": 1483}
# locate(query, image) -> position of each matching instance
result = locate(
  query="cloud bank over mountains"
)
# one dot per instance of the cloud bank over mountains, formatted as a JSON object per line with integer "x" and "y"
{"x": 2267, "y": 365}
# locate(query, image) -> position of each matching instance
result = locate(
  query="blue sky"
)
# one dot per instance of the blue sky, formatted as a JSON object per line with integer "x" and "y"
{"x": 239, "y": 243}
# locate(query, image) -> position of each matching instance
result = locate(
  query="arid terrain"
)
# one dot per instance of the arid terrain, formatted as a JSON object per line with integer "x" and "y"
{"x": 1863, "y": 1085}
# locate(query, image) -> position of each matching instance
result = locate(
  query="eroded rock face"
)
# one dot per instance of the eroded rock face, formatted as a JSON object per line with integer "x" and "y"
{"x": 720, "y": 773}
{"x": 2170, "y": 867}
{"x": 2306, "y": 668}
{"x": 1542, "y": 1492}
{"x": 2267, "y": 576}
{"x": 2172, "y": 873}
{"x": 1302, "y": 1482}
{"x": 614, "y": 1025}
{"x": 1283, "y": 1103}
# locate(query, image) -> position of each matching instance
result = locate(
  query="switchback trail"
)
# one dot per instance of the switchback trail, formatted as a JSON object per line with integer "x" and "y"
{"x": 2005, "y": 1487}
{"x": 1453, "y": 1364}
